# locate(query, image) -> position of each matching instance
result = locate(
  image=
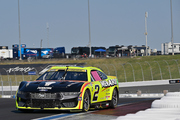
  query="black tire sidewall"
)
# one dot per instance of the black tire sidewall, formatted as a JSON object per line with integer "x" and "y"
{"x": 112, "y": 105}
{"x": 86, "y": 94}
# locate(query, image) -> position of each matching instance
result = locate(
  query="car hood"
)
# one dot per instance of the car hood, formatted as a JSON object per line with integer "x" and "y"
{"x": 51, "y": 86}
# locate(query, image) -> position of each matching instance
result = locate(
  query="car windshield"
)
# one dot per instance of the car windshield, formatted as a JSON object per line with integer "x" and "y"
{"x": 112, "y": 49}
{"x": 75, "y": 50}
{"x": 64, "y": 75}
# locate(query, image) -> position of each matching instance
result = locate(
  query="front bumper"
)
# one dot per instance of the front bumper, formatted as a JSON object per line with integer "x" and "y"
{"x": 47, "y": 101}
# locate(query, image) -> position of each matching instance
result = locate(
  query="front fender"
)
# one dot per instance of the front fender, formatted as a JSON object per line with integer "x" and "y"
{"x": 85, "y": 86}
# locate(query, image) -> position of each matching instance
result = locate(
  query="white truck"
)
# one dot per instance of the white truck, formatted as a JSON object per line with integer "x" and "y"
{"x": 6, "y": 54}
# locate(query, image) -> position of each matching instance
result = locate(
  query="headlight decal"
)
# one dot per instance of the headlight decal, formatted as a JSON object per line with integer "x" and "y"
{"x": 70, "y": 93}
{"x": 20, "y": 92}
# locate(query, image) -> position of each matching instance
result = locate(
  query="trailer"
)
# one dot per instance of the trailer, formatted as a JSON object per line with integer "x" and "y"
{"x": 59, "y": 52}
{"x": 6, "y": 54}
{"x": 36, "y": 52}
{"x": 83, "y": 52}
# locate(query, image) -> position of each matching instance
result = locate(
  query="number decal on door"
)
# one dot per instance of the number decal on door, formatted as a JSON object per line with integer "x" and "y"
{"x": 95, "y": 97}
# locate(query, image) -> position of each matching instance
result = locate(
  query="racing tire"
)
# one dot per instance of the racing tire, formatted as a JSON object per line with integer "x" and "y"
{"x": 86, "y": 101}
{"x": 113, "y": 103}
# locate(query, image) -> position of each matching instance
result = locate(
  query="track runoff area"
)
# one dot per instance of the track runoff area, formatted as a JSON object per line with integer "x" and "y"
{"x": 133, "y": 105}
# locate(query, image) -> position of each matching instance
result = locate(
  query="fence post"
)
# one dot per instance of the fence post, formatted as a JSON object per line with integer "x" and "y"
{"x": 132, "y": 70}
{"x": 22, "y": 75}
{"x": 114, "y": 69}
{"x": 6, "y": 73}
{"x": 10, "y": 86}
{"x": 37, "y": 72}
{"x": 30, "y": 77}
{"x": 159, "y": 69}
{"x": 15, "y": 77}
{"x": 98, "y": 66}
{"x": 141, "y": 70}
{"x": 150, "y": 69}
{"x": 2, "y": 85}
{"x": 177, "y": 65}
{"x": 169, "y": 69}
{"x": 124, "y": 72}
{"x": 107, "y": 69}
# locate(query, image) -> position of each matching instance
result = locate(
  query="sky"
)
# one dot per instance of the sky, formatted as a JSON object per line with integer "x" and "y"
{"x": 64, "y": 23}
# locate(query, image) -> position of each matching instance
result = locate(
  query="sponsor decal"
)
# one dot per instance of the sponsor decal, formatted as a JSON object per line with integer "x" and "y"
{"x": 174, "y": 81}
{"x": 41, "y": 96}
{"x": 107, "y": 90}
{"x": 79, "y": 98}
{"x": 102, "y": 98}
{"x": 34, "y": 51}
{"x": 77, "y": 70}
{"x": 107, "y": 104}
{"x": 45, "y": 52}
{"x": 91, "y": 86}
{"x": 49, "y": 83}
{"x": 71, "y": 84}
{"x": 16, "y": 69}
{"x": 108, "y": 83}
{"x": 44, "y": 88}
{"x": 28, "y": 84}
{"x": 107, "y": 97}
{"x": 32, "y": 73}
{"x": 53, "y": 70}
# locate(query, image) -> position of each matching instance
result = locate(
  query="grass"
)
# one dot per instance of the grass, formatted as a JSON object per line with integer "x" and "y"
{"x": 126, "y": 69}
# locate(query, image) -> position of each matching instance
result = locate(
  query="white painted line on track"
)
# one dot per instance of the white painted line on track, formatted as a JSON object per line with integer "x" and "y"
{"x": 148, "y": 95}
{"x": 61, "y": 116}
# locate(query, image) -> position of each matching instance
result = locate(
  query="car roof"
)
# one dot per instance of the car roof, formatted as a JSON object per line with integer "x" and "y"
{"x": 74, "y": 67}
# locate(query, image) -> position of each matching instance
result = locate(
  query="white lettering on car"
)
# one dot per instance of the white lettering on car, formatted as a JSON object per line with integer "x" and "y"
{"x": 49, "y": 83}
{"x": 108, "y": 83}
{"x": 45, "y": 88}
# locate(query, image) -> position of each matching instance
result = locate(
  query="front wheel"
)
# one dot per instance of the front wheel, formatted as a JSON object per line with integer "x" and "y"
{"x": 114, "y": 101}
{"x": 86, "y": 101}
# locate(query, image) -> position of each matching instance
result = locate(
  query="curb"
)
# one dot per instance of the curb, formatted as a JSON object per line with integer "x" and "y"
{"x": 151, "y": 95}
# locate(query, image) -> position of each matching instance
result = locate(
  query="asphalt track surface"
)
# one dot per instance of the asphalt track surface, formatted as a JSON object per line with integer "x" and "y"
{"x": 126, "y": 106}
{"x": 150, "y": 89}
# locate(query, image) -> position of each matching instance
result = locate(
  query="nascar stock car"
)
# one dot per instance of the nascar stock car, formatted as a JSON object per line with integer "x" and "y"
{"x": 68, "y": 88}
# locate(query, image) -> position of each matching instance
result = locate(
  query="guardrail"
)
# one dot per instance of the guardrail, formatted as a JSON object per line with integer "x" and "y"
{"x": 143, "y": 71}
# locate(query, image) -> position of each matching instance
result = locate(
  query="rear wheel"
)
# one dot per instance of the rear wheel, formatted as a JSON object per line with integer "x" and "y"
{"x": 114, "y": 101}
{"x": 86, "y": 101}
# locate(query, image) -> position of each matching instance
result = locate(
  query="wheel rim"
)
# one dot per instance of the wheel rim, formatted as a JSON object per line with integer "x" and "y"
{"x": 86, "y": 102}
{"x": 114, "y": 98}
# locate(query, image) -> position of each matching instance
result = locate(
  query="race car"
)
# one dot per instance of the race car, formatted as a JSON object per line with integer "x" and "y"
{"x": 68, "y": 88}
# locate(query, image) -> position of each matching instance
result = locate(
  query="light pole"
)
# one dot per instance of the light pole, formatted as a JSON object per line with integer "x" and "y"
{"x": 47, "y": 35}
{"x": 146, "y": 15}
{"x": 89, "y": 29}
{"x": 172, "y": 30}
{"x": 19, "y": 32}
{"x": 41, "y": 43}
